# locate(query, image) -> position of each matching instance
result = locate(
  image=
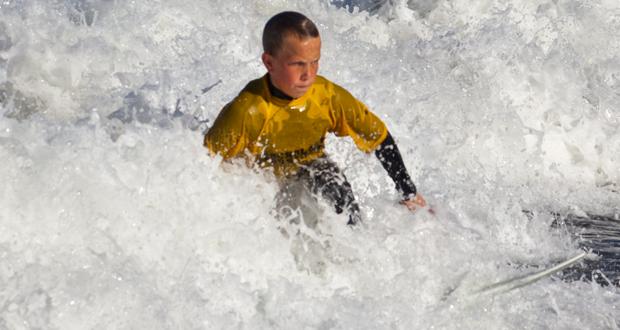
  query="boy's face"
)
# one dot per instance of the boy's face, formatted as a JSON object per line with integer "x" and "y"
{"x": 293, "y": 68}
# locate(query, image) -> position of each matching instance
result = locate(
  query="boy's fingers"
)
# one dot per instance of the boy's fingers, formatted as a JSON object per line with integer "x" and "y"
{"x": 416, "y": 203}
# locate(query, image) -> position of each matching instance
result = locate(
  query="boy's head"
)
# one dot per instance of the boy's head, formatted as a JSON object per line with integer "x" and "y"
{"x": 292, "y": 49}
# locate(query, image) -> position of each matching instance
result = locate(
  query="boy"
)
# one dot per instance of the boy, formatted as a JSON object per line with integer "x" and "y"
{"x": 280, "y": 120}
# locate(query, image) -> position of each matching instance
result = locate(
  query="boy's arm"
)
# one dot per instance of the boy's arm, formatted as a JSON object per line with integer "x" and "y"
{"x": 227, "y": 135}
{"x": 389, "y": 156}
{"x": 353, "y": 118}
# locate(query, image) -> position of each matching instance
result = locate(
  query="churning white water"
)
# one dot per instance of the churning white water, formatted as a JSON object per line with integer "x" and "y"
{"x": 114, "y": 216}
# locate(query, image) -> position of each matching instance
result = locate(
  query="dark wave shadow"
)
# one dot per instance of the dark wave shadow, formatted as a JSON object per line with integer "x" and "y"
{"x": 601, "y": 235}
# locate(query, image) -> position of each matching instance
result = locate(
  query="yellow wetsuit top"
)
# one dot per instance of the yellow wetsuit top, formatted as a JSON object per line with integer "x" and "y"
{"x": 283, "y": 134}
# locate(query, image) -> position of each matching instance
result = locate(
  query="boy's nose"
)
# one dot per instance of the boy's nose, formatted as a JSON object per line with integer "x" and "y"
{"x": 307, "y": 73}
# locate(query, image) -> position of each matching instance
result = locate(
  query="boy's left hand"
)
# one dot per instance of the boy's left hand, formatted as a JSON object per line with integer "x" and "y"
{"x": 415, "y": 203}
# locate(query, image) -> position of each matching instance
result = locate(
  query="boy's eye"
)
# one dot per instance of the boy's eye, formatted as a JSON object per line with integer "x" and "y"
{"x": 304, "y": 63}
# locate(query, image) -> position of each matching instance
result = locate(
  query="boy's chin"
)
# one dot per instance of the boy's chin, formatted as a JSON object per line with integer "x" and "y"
{"x": 299, "y": 92}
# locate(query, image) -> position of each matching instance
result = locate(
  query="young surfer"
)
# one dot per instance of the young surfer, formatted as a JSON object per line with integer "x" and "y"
{"x": 280, "y": 121}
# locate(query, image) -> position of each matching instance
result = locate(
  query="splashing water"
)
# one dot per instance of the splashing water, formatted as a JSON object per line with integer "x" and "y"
{"x": 114, "y": 216}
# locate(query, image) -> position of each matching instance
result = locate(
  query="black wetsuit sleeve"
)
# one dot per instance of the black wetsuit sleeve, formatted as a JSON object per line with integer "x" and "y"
{"x": 392, "y": 162}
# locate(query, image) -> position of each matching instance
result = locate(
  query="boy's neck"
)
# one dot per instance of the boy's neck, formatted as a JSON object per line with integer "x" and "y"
{"x": 275, "y": 91}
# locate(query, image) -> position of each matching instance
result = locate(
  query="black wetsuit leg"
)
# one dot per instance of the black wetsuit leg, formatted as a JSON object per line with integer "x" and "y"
{"x": 324, "y": 177}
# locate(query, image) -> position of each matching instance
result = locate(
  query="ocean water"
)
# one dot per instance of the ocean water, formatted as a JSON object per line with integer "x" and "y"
{"x": 113, "y": 216}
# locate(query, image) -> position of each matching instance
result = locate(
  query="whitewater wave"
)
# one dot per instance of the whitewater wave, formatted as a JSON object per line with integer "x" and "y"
{"x": 113, "y": 215}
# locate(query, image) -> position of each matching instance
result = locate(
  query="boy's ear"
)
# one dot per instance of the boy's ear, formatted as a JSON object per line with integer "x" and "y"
{"x": 267, "y": 61}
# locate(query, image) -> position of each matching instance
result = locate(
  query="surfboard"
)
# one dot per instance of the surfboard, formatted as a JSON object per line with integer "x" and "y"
{"x": 521, "y": 281}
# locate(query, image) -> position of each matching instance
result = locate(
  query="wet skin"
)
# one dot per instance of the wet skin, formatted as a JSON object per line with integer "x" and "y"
{"x": 294, "y": 67}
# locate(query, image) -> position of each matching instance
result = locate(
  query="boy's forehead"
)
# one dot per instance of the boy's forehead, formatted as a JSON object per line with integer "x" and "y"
{"x": 291, "y": 41}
